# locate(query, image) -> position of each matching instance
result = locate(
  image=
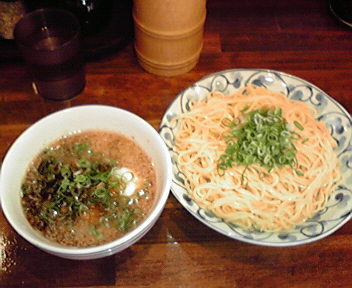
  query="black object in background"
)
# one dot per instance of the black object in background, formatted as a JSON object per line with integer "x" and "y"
{"x": 342, "y": 9}
{"x": 107, "y": 25}
{"x": 94, "y": 15}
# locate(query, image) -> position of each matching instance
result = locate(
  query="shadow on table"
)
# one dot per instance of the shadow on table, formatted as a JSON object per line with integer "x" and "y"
{"x": 24, "y": 265}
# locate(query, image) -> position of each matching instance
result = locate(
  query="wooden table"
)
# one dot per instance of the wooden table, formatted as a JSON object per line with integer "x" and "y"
{"x": 298, "y": 37}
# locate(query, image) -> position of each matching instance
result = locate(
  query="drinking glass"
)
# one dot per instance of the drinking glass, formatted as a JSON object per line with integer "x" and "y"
{"x": 49, "y": 40}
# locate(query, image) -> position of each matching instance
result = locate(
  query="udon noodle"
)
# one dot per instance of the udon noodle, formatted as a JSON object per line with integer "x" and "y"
{"x": 267, "y": 201}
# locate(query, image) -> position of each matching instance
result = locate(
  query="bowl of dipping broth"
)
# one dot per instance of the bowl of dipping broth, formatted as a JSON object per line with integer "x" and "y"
{"x": 85, "y": 182}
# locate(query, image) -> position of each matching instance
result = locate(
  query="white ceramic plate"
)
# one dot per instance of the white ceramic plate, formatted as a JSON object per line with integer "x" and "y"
{"x": 338, "y": 210}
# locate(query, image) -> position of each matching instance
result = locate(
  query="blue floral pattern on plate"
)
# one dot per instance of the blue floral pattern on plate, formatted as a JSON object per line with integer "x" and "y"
{"x": 331, "y": 113}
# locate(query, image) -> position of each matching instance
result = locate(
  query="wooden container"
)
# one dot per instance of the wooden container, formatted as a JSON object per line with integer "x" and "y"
{"x": 168, "y": 34}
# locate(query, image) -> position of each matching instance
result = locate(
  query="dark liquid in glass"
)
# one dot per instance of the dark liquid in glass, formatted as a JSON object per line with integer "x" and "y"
{"x": 56, "y": 79}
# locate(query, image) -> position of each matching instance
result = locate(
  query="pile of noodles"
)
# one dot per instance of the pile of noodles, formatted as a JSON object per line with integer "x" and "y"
{"x": 275, "y": 201}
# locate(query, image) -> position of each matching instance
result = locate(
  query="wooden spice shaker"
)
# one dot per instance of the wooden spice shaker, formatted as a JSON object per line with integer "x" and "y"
{"x": 168, "y": 34}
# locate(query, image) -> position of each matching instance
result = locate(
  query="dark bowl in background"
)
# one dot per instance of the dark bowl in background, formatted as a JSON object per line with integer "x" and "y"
{"x": 342, "y": 10}
{"x": 107, "y": 26}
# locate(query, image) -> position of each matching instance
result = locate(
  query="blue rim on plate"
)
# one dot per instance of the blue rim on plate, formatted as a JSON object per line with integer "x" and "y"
{"x": 330, "y": 112}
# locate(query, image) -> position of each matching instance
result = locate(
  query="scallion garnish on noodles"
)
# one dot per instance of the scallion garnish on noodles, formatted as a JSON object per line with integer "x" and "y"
{"x": 261, "y": 137}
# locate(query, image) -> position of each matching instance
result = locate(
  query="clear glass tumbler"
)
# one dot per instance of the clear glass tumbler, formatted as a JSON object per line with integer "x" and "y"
{"x": 49, "y": 40}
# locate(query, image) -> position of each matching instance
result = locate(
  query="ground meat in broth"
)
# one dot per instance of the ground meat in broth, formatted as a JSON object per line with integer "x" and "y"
{"x": 129, "y": 155}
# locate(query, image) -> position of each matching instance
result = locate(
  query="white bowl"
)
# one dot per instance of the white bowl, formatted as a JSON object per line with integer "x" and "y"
{"x": 50, "y": 128}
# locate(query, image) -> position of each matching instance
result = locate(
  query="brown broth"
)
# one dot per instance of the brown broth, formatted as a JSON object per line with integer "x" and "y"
{"x": 99, "y": 221}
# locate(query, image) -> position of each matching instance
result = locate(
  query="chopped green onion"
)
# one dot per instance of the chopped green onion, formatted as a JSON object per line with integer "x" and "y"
{"x": 262, "y": 138}
{"x": 93, "y": 230}
{"x": 68, "y": 189}
{"x": 298, "y": 125}
{"x": 299, "y": 173}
